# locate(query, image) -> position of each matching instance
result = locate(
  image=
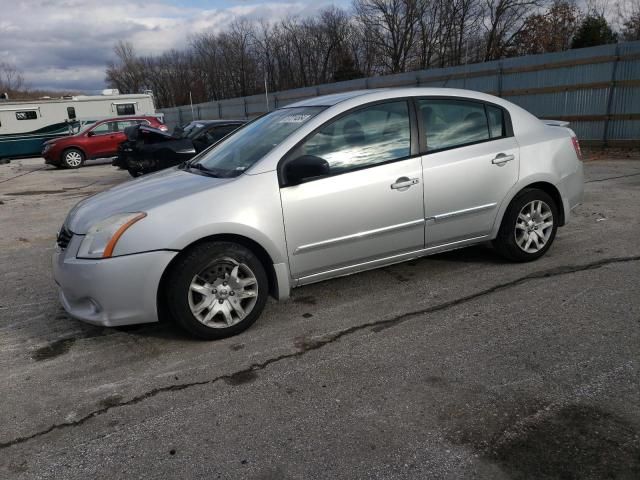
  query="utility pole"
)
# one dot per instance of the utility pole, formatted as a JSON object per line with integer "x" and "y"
{"x": 266, "y": 89}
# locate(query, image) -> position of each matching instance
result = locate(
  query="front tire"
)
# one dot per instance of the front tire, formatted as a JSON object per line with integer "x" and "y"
{"x": 528, "y": 227}
{"x": 72, "y": 158}
{"x": 218, "y": 289}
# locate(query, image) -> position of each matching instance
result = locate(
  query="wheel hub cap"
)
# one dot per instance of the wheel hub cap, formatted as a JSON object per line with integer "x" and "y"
{"x": 73, "y": 158}
{"x": 534, "y": 226}
{"x": 223, "y": 293}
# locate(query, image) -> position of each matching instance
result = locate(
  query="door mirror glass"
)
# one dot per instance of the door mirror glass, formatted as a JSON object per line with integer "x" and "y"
{"x": 305, "y": 168}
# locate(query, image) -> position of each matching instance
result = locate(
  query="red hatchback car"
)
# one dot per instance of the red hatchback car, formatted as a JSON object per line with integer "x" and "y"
{"x": 98, "y": 140}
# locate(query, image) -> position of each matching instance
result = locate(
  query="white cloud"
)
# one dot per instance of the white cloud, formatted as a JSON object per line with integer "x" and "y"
{"x": 65, "y": 44}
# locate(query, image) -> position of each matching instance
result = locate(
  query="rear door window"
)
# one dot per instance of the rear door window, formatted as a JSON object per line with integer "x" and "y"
{"x": 452, "y": 123}
{"x": 127, "y": 123}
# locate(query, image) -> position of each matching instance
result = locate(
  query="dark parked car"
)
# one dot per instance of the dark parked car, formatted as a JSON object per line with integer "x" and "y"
{"x": 149, "y": 149}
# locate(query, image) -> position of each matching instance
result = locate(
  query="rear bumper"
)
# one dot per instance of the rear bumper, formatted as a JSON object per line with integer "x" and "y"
{"x": 572, "y": 190}
{"x": 113, "y": 291}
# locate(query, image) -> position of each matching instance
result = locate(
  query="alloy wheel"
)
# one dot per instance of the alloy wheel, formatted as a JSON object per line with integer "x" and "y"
{"x": 534, "y": 226}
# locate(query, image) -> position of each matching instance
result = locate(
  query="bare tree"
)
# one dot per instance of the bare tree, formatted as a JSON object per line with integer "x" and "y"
{"x": 504, "y": 20}
{"x": 629, "y": 18}
{"x": 379, "y": 37}
{"x": 11, "y": 79}
{"x": 392, "y": 25}
{"x": 127, "y": 74}
{"x": 548, "y": 31}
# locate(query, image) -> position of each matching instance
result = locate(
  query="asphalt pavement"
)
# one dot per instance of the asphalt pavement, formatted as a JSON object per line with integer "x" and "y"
{"x": 459, "y": 365}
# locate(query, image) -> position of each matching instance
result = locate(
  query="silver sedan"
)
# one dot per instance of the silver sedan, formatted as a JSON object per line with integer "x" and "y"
{"x": 325, "y": 187}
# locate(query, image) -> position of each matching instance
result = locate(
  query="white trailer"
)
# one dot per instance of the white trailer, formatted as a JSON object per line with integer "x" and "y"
{"x": 25, "y": 125}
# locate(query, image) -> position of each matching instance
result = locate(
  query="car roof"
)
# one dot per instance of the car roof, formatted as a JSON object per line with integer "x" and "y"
{"x": 128, "y": 117}
{"x": 374, "y": 94}
{"x": 333, "y": 99}
{"x": 214, "y": 122}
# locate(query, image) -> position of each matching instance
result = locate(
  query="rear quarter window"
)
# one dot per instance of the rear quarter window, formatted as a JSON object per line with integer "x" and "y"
{"x": 497, "y": 124}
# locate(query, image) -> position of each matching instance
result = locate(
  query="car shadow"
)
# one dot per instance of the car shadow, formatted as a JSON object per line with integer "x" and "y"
{"x": 482, "y": 254}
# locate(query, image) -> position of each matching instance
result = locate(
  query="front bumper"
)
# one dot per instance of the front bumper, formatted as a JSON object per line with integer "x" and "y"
{"x": 50, "y": 158}
{"x": 112, "y": 291}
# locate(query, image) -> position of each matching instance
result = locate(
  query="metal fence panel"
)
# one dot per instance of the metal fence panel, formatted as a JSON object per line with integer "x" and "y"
{"x": 597, "y": 89}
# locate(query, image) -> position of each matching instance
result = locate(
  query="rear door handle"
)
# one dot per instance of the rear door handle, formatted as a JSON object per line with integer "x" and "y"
{"x": 502, "y": 158}
{"x": 403, "y": 183}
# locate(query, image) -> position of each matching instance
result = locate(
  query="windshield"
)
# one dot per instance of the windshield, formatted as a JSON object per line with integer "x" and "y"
{"x": 191, "y": 130}
{"x": 249, "y": 144}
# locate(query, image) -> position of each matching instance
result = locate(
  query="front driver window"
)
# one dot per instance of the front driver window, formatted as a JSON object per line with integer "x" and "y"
{"x": 107, "y": 127}
{"x": 101, "y": 129}
{"x": 369, "y": 136}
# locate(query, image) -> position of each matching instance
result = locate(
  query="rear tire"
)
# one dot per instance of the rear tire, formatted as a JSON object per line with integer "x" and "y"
{"x": 72, "y": 158}
{"x": 528, "y": 227}
{"x": 216, "y": 290}
{"x": 134, "y": 173}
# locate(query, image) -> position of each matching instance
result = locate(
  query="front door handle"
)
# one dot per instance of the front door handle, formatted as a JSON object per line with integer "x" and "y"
{"x": 403, "y": 183}
{"x": 502, "y": 158}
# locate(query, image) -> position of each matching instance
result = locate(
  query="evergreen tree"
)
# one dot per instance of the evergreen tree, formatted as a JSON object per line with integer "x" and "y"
{"x": 594, "y": 30}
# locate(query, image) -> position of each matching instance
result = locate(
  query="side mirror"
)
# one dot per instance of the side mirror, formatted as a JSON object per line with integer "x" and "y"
{"x": 305, "y": 168}
{"x": 91, "y": 133}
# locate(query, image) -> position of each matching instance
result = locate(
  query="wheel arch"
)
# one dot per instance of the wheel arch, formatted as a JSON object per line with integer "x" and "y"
{"x": 553, "y": 192}
{"x": 544, "y": 184}
{"x": 255, "y": 247}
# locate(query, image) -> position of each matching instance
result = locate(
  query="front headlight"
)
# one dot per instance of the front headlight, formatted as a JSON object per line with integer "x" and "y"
{"x": 102, "y": 237}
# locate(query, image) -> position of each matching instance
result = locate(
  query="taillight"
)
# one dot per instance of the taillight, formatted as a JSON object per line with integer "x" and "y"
{"x": 164, "y": 128}
{"x": 576, "y": 146}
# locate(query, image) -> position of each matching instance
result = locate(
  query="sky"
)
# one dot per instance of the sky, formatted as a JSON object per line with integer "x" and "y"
{"x": 66, "y": 44}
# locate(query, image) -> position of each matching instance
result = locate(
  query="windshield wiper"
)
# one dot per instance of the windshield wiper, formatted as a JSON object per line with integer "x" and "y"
{"x": 202, "y": 168}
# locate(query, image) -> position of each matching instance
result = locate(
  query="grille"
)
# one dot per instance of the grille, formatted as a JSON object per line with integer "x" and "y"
{"x": 64, "y": 237}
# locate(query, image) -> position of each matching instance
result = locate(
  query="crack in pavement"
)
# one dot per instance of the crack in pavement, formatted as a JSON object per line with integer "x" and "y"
{"x": 22, "y": 174}
{"x": 612, "y": 178}
{"x": 314, "y": 344}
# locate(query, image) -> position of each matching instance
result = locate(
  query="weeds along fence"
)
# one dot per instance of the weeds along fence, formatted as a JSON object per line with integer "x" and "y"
{"x": 596, "y": 89}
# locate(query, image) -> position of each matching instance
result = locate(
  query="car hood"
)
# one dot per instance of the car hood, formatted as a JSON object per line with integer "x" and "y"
{"x": 140, "y": 195}
{"x": 54, "y": 140}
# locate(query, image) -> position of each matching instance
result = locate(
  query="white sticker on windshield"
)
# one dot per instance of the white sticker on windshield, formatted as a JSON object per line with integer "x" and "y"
{"x": 295, "y": 118}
